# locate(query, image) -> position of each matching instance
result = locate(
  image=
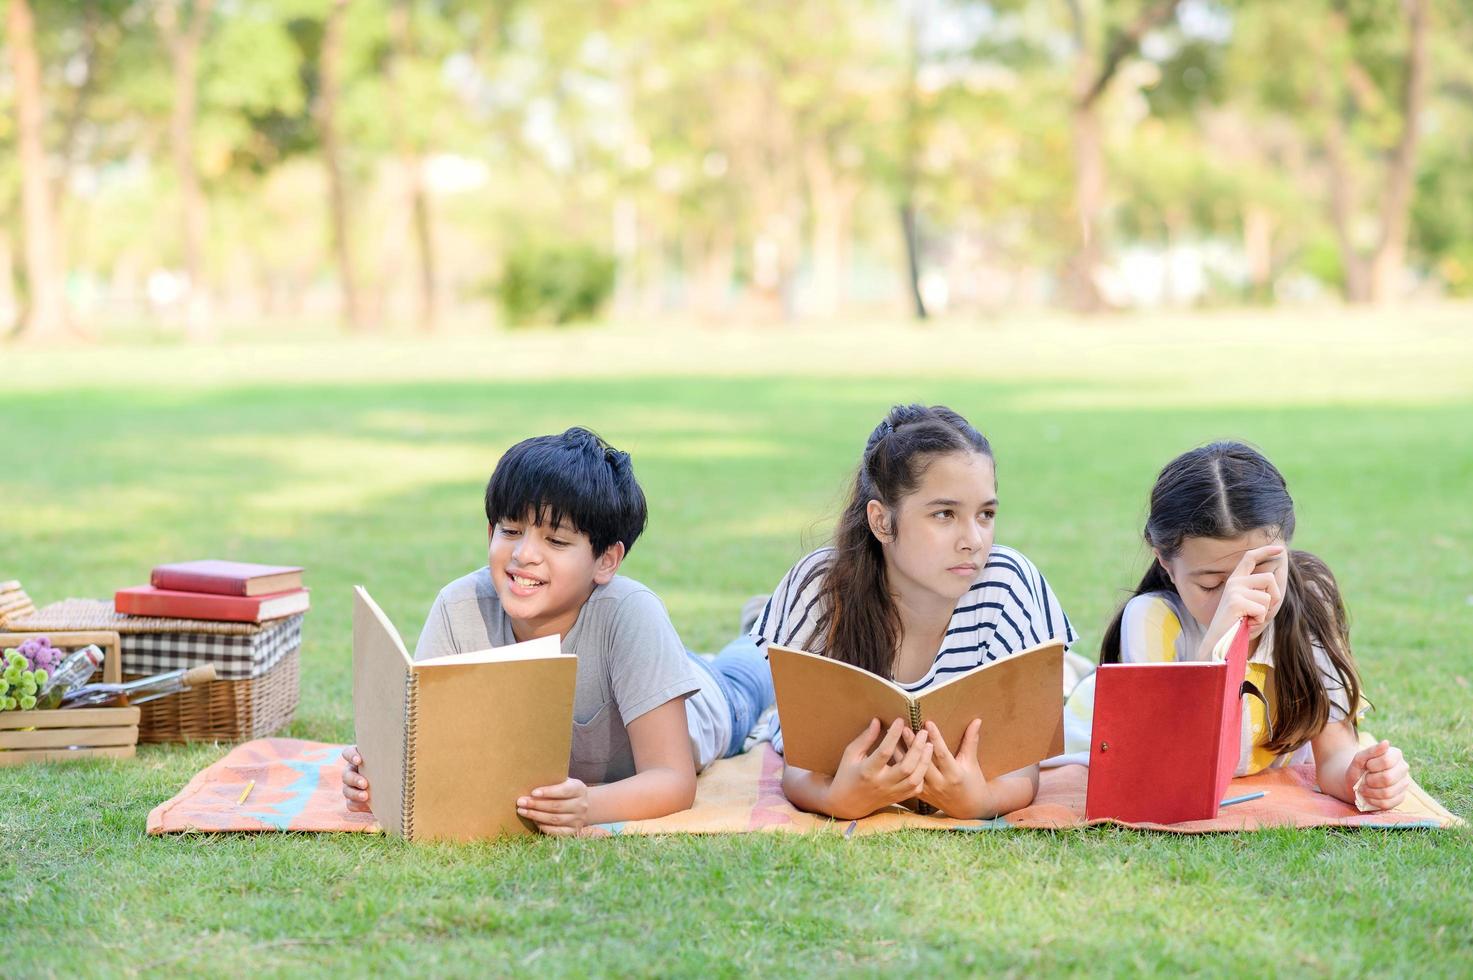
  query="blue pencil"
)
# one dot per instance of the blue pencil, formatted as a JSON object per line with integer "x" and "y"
{"x": 1241, "y": 799}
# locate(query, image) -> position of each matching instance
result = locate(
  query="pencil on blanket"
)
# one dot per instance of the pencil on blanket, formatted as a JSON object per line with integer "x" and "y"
{"x": 246, "y": 792}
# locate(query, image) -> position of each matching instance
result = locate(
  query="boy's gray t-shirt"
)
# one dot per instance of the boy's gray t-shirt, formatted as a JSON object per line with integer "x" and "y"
{"x": 630, "y": 660}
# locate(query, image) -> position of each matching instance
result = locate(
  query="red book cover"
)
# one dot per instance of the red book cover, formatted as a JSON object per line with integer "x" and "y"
{"x": 226, "y": 577}
{"x": 145, "y": 600}
{"x": 1166, "y": 737}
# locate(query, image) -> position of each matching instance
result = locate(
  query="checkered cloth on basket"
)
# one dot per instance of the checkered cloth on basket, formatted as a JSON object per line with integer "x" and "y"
{"x": 236, "y": 657}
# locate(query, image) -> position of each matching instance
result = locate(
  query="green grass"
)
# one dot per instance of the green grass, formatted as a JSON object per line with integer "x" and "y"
{"x": 365, "y": 462}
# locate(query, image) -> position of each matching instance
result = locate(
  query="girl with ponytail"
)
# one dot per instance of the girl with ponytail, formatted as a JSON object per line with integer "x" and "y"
{"x": 914, "y": 589}
{"x": 1220, "y": 525}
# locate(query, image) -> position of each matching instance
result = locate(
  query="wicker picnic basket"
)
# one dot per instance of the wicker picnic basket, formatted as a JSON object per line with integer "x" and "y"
{"x": 257, "y": 668}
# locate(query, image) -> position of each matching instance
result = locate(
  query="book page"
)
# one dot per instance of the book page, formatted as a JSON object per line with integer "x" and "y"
{"x": 487, "y": 733}
{"x": 543, "y": 646}
{"x": 1020, "y": 699}
{"x": 380, "y": 686}
{"x": 824, "y": 704}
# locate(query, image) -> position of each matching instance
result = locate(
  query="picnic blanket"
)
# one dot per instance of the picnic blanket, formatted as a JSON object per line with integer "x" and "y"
{"x": 298, "y": 786}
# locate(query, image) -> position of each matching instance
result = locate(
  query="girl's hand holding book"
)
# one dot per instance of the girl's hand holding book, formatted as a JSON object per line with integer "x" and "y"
{"x": 872, "y": 780}
{"x": 954, "y": 784}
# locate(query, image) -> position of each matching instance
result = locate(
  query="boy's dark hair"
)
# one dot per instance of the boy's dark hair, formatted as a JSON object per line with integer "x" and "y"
{"x": 1226, "y": 489}
{"x": 859, "y": 618}
{"x": 576, "y": 477}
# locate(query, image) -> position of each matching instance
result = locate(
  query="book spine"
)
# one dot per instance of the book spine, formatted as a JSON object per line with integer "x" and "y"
{"x": 197, "y": 582}
{"x": 217, "y": 607}
{"x": 922, "y": 807}
{"x": 411, "y": 733}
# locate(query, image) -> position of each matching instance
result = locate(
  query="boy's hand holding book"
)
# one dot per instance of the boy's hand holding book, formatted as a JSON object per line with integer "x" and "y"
{"x": 559, "y": 810}
{"x": 355, "y": 785}
{"x": 867, "y": 780}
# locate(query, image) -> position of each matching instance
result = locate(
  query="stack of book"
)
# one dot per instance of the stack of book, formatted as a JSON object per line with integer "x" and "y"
{"x": 223, "y": 591}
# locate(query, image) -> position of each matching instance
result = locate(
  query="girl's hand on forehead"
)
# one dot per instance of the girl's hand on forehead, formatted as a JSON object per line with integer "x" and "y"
{"x": 1246, "y": 593}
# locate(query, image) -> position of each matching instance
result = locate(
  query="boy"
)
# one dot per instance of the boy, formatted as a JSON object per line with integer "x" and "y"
{"x": 563, "y": 512}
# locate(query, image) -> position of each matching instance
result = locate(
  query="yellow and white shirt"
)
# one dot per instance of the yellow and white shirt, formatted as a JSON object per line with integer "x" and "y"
{"x": 1156, "y": 628}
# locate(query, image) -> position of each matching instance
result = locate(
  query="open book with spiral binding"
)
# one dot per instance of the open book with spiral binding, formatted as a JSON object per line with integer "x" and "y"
{"x": 825, "y": 703}
{"x": 448, "y": 744}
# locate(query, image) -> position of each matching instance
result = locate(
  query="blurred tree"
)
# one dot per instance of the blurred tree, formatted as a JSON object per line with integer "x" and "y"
{"x": 1104, "y": 35}
{"x": 330, "y": 80}
{"x": 1353, "y": 78}
{"x": 183, "y": 25}
{"x": 46, "y": 311}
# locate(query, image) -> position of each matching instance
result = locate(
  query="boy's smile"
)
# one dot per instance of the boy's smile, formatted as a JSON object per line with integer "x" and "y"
{"x": 543, "y": 574}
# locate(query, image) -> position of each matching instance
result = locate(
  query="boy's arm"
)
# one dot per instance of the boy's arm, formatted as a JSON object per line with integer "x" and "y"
{"x": 664, "y": 780}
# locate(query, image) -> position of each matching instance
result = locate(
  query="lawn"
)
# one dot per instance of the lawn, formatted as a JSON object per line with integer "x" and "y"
{"x": 365, "y": 461}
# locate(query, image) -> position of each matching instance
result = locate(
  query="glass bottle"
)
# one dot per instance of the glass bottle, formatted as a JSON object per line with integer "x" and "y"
{"x": 139, "y": 691}
{"x": 73, "y": 672}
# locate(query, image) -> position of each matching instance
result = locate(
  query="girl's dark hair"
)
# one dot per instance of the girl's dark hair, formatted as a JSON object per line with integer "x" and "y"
{"x": 1224, "y": 490}
{"x": 859, "y": 621}
{"x": 576, "y": 476}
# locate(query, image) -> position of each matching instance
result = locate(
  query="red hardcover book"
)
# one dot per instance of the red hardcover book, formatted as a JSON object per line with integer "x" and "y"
{"x": 226, "y": 577}
{"x": 1166, "y": 736}
{"x": 145, "y": 600}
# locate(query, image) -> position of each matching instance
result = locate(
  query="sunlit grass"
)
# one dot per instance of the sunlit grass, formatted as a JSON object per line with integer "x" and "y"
{"x": 366, "y": 462}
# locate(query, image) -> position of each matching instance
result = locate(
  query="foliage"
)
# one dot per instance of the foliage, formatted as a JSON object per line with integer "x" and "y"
{"x": 556, "y": 284}
{"x": 733, "y": 148}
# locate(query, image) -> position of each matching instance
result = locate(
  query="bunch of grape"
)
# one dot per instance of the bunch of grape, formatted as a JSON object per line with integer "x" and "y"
{"x": 18, "y": 683}
{"x": 41, "y": 654}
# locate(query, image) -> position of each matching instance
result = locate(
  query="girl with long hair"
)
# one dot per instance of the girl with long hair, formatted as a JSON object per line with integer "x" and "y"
{"x": 914, "y": 589}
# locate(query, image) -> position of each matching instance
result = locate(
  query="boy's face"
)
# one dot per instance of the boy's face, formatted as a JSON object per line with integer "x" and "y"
{"x": 543, "y": 574}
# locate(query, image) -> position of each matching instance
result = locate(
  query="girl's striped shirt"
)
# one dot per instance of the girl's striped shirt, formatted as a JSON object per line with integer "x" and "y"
{"x": 1009, "y": 608}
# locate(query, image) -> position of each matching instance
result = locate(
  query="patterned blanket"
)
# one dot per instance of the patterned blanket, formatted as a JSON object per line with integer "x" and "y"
{"x": 297, "y": 786}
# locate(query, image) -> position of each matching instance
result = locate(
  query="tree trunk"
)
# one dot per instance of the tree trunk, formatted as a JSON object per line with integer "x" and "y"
{"x": 911, "y": 234}
{"x": 1390, "y": 255}
{"x": 831, "y": 203}
{"x": 46, "y": 312}
{"x": 909, "y": 231}
{"x": 330, "y": 70}
{"x": 715, "y": 264}
{"x": 1089, "y": 205}
{"x": 1091, "y": 79}
{"x": 400, "y": 30}
{"x": 184, "y": 40}
{"x": 9, "y": 304}
{"x": 1258, "y": 247}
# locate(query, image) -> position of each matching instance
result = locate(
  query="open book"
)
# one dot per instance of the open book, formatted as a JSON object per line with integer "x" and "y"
{"x": 1166, "y": 736}
{"x": 448, "y": 744}
{"x": 824, "y": 704}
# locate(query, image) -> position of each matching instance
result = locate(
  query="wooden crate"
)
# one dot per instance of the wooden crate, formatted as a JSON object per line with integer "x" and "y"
{"x": 42, "y": 736}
